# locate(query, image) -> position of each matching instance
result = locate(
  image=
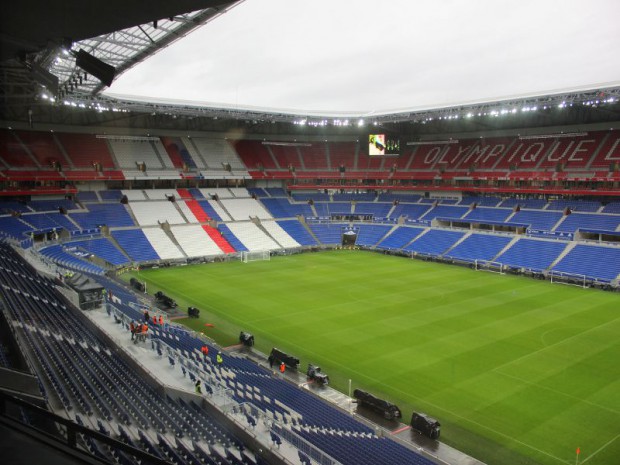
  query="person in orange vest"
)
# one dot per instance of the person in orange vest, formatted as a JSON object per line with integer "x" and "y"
{"x": 132, "y": 328}
{"x": 155, "y": 320}
{"x": 282, "y": 367}
{"x": 161, "y": 320}
{"x": 145, "y": 329}
{"x": 205, "y": 350}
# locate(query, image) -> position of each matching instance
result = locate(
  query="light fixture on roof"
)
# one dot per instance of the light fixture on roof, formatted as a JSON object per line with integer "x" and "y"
{"x": 553, "y": 136}
{"x": 95, "y": 67}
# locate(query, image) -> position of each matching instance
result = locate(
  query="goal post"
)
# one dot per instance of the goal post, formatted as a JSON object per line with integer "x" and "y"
{"x": 487, "y": 265}
{"x": 571, "y": 279}
{"x": 255, "y": 255}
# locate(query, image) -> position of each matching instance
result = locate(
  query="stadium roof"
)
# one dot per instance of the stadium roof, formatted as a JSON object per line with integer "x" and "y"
{"x": 319, "y": 63}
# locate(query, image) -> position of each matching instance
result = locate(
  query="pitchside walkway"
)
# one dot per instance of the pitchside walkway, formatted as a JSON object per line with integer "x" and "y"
{"x": 439, "y": 452}
{"x": 160, "y": 369}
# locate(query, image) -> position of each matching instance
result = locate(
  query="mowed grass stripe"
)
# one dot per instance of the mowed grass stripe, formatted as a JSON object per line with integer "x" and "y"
{"x": 516, "y": 369}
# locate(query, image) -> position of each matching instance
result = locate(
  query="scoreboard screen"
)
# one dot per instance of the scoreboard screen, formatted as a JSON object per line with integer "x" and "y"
{"x": 383, "y": 145}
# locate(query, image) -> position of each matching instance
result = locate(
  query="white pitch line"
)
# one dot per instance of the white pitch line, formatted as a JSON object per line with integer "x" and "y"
{"x": 601, "y": 448}
{"x": 579, "y": 399}
{"x": 555, "y": 344}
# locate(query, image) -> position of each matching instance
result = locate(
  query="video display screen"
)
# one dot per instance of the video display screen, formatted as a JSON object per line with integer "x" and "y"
{"x": 383, "y": 144}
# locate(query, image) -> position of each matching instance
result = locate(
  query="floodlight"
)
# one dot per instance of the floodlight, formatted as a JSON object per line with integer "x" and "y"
{"x": 94, "y": 66}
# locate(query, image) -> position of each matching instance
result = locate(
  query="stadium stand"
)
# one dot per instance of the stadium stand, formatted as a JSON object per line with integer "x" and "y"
{"x": 112, "y": 215}
{"x": 543, "y": 220}
{"x": 279, "y": 234}
{"x": 163, "y": 245}
{"x": 298, "y": 232}
{"x": 327, "y": 233}
{"x": 532, "y": 254}
{"x": 479, "y": 247}
{"x": 135, "y": 245}
{"x": 370, "y": 234}
{"x": 399, "y": 238}
{"x": 243, "y": 209}
{"x": 434, "y": 242}
{"x": 195, "y": 241}
{"x": 252, "y": 237}
{"x": 86, "y": 150}
{"x": 102, "y": 248}
{"x": 156, "y": 212}
{"x": 577, "y": 221}
{"x": 594, "y": 262}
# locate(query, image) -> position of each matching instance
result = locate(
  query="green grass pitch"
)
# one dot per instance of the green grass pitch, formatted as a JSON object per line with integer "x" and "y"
{"x": 518, "y": 371}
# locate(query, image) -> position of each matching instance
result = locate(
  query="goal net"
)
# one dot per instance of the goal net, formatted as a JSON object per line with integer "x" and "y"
{"x": 571, "y": 279}
{"x": 486, "y": 265}
{"x": 255, "y": 255}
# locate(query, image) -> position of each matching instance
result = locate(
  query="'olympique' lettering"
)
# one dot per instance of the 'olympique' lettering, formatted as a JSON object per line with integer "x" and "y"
{"x": 522, "y": 153}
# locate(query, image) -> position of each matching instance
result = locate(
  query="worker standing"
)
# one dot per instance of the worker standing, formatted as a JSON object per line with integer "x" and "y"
{"x": 282, "y": 367}
{"x": 219, "y": 359}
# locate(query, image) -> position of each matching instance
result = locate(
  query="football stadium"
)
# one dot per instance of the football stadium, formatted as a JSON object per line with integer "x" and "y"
{"x": 269, "y": 232}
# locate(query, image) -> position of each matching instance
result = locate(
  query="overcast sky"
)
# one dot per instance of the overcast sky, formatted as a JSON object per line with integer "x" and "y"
{"x": 369, "y": 57}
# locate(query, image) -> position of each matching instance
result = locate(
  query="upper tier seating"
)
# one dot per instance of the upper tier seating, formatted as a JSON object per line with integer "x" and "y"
{"x": 254, "y": 154}
{"x": 216, "y": 153}
{"x": 42, "y": 147}
{"x": 150, "y": 152}
{"x": 533, "y": 254}
{"x": 286, "y": 156}
{"x": 342, "y": 154}
{"x": 84, "y": 150}
{"x": 173, "y": 147}
{"x": 314, "y": 156}
{"x": 13, "y": 152}
{"x": 609, "y": 151}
